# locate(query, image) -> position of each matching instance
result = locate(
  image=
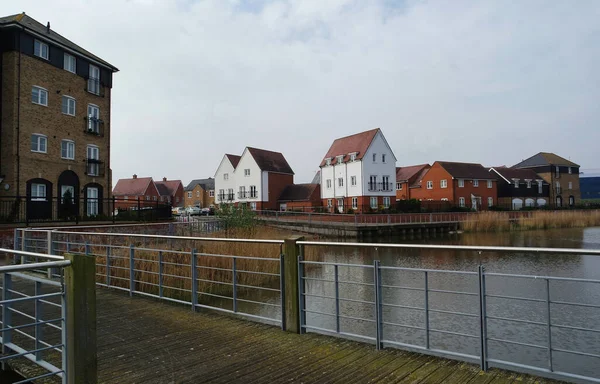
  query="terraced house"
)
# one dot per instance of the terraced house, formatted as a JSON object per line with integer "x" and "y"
{"x": 54, "y": 122}
{"x": 200, "y": 193}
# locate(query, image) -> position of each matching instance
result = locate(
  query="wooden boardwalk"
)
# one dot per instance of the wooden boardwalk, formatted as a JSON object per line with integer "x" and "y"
{"x": 141, "y": 340}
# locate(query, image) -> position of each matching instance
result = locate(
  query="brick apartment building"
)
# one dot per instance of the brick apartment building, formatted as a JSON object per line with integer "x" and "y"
{"x": 518, "y": 188}
{"x": 560, "y": 173}
{"x": 171, "y": 191}
{"x": 459, "y": 184}
{"x": 54, "y": 121}
{"x": 200, "y": 193}
{"x": 407, "y": 177}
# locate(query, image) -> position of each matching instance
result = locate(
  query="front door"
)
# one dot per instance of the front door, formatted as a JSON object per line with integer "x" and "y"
{"x": 67, "y": 201}
{"x": 92, "y": 201}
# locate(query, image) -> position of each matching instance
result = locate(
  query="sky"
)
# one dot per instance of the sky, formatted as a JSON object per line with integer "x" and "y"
{"x": 492, "y": 82}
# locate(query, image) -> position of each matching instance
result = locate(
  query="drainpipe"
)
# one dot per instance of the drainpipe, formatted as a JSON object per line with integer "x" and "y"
{"x": 19, "y": 120}
{"x": 346, "y": 169}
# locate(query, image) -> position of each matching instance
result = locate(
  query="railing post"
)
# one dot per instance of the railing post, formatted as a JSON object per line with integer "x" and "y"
{"x": 131, "y": 269}
{"x": 426, "y": 311}
{"x": 6, "y": 316}
{"x": 482, "y": 319}
{"x": 337, "y": 298}
{"x": 80, "y": 290}
{"x": 194, "y": 285}
{"x": 38, "y": 318}
{"x": 291, "y": 293}
{"x": 378, "y": 306}
{"x": 108, "y": 248}
{"x": 282, "y": 286}
{"x": 550, "y": 365}
{"x": 87, "y": 248}
{"x": 301, "y": 296}
{"x": 234, "y": 283}
{"x": 160, "y": 274}
{"x": 16, "y": 239}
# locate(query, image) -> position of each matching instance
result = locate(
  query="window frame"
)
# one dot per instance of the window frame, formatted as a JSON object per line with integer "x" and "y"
{"x": 443, "y": 183}
{"x": 69, "y": 99}
{"x": 516, "y": 181}
{"x": 65, "y": 61}
{"x": 490, "y": 185}
{"x": 475, "y": 182}
{"x": 226, "y": 176}
{"x": 386, "y": 202}
{"x": 39, "y": 136}
{"x": 461, "y": 183}
{"x": 211, "y": 193}
{"x": 96, "y": 166}
{"x": 528, "y": 182}
{"x": 373, "y": 206}
{"x": 374, "y": 158}
{"x": 490, "y": 201}
{"x": 340, "y": 181}
{"x": 353, "y": 157}
{"x": 329, "y": 203}
{"x": 67, "y": 141}
{"x": 383, "y": 156}
{"x": 37, "y": 197}
{"x": 38, "y": 88}
{"x": 570, "y": 185}
{"x": 95, "y": 89}
{"x": 398, "y": 186}
{"x": 461, "y": 202}
{"x": 339, "y": 159}
{"x": 190, "y": 194}
{"x": 429, "y": 184}
{"x": 41, "y": 51}
{"x": 328, "y": 161}
{"x": 540, "y": 187}
{"x": 570, "y": 171}
{"x": 352, "y": 181}
{"x": 355, "y": 203}
{"x": 246, "y": 172}
{"x": 328, "y": 183}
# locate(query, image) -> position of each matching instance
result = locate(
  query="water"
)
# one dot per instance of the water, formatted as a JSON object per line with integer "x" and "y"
{"x": 402, "y": 324}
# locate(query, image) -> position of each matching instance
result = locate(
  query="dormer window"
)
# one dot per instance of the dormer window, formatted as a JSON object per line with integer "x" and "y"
{"x": 328, "y": 161}
{"x": 516, "y": 181}
{"x": 528, "y": 183}
{"x": 353, "y": 157}
{"x": 340, "y": 159}
{"x": 570, "y": 171}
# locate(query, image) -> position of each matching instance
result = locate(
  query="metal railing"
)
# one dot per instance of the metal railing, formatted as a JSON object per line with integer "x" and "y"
{"x": 380, "y": 186}
{"x": 93, "y": 126}
{"x": 33, "y": 316}
{"x": 409, "y": 308}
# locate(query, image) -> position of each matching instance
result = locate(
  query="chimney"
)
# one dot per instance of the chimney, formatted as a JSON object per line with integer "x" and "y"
{"x": 48, "y": 28}
{"x": 164, "y": 179}
{"x": 134, "y": 176}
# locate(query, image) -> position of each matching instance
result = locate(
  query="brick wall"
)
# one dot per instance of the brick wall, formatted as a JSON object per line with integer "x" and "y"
{"x": 277, "y": 183}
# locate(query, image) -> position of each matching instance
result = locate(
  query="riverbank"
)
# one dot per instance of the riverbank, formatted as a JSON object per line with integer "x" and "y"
{"x": 501, "y": 221}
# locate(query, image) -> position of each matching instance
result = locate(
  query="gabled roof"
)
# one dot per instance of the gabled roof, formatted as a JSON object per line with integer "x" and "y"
{"x": 544, "y": 159}
{"x": 317, "y": 178}
{"x": 357, "y": 143}
{"x": 509, "y": 174}
{"x": 137, "y": 186}
{"x": 270, "y": 161}
{"x": 406, "y": 173}
{"x": 298, "y": 192}
{"x": 168, "y": 188}
{"x": 36, "y": 27}
{"x": 206, "y": 184}
{"x": 233, "y": 159}
{"x": 466, "y": 170}
{"x": 419, "y": 177}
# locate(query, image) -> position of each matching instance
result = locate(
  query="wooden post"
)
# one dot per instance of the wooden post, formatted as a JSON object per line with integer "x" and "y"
{"x": 80, "y": 289}
{"x": 291, "y": 284}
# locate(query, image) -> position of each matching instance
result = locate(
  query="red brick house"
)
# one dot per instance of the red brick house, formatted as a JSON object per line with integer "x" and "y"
{"x": 127, "y": 192}
{"x": 305, "y": 197}
{"x": 406, "y": 177}
{"x": 467, "y": 185}
{"x": 171, "y": 191}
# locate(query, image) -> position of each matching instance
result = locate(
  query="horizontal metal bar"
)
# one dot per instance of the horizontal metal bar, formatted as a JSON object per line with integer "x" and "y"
{"x": 176, "y": 276}
{"x": 454, "y": 292}
{"x": 28, "y": 298}
{"x": 214, "y": 281}
{"x": 402, "y": 287}
{"x": 453, "y": 333}
{"x": 356, "y": 283}
{"x": 31, "y": 254}
{"x": 407, "y": 269}
{"x": 317, "y": 279}
{"x": 536, "y": 370}
{"x": 403, "y": 306}
{"x": 576, "y": 328}
{"x": 454, "y": 313}
{"x": 211, "y": 239}
{"x": 515, "y": 298}
{"x": 516, "y": 320}
{"x": 329, "y": 331}
{"x": 146, "y": 282}
{"x": 214, "y": 295}
{"x": 456, "y": 247}
{"x": 577, "y": 352}
{"x": 338, "y": 264}
{"x": 403, "y": 325}
{"x": 32, "y": 266}
{"x": 258, "y": 273}
{"x": 356, "y": 318}
{"x": 31, "y": 379}
{"x": 214, "y": 268}
{"x": 144, "y": 271}
{"x": 255, "y": 287}
{"x": 319, "y": 296}
{"x": 318, "y": 312}
{"x": 239, "y": 313}
{"x": 8, "y": 345}
{"x": 260, "y": 303}
{"x": 240, "y": 257}
{"x": 356, "y": 301}
{"x": 175, "y": 288}
{"x": 518, "y": 343}
{"x": 575, "y": 304}
{"x": 31, "y": 324}
{"x": 572, "y": 279}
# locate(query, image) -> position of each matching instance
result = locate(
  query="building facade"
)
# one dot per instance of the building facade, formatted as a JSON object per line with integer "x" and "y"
{"x": 358, "y": 172}
{"x": 520, "y": 188}
{"x": 300, "y": 197}
{"x": 171, "y": 191}
{"x": 134, "y": 192}
{"x": 224, "y": 179}
{"x": 54, "y": 122}
{"x": 561, "y": 174}
{"x": 406, "y": 177}
{"x": 200, "y": 193}
{"x": 466, "y": 185}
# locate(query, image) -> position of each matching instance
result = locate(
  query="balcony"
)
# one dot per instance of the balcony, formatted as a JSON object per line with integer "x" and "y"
{"x": 95, "y": 87}
{"x": 93, "y": 126}
{"x": 252, "y": 194}
{"x": 225, "y": 197}
{"x": 380, "y": 187}
{"x": 94, "y": 167}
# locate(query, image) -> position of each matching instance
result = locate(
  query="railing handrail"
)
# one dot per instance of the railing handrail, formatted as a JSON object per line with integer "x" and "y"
{"x": 34, "y": 266}
{"x": 32, "y": 254}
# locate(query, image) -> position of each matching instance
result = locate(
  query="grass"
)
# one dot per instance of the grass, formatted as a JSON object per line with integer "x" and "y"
{"x": 502, "y": 221}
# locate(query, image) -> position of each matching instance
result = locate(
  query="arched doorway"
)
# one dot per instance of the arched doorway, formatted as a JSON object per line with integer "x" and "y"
{"x": 529, "y": 203}
{"x": 68, "y": 193}
{"x": 571, "y": 201}
{"x": 92, "y": 199}
{"x": 558, "y": 201}
{"x": 517, "y": 204}
{"x": 39, "y": 199}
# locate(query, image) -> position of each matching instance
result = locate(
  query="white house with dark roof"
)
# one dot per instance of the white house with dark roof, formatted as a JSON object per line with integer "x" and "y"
{"x": 358, "y": 172}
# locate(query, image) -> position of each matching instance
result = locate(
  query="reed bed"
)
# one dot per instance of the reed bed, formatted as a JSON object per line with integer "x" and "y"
{"x": 501, "y": 221}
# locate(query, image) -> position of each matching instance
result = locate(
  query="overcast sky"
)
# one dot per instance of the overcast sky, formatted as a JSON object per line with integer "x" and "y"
{"x": 491, "y": 82}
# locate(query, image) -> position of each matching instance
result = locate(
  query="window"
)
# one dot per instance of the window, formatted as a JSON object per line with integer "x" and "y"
{"x": 39, "y": 96}
{"x": 94, "y": 80}
{"x": 374, "y": 202}
{"x": 340, "y": 181}
{"x": 155, "y": 198}
{"x": 340, "y": 159}
{"x": 386, "y": 201}
{"x": 226, "y": 176}
{"x": 570, "y": 171}
{"x": 430, "y": 184}
{"x": 540, "y": 191}
{"x": 38, "y": 143}
{"x": 230, "y": 194}
{"x": 444, "y": 183}
{"x": 247, "y": 172}
{"x": 374, "y": 157}
{"x": 253, "y": 205}
{"x": 355, "y": 203}
{"x": 70, "y": 63}
{"x": 528, "y": 183}
{"x": 340, "y": 204}
{"x": 476, "y": 183}
{"x": 461, "y": 201}
{"x": 93, "y": 115}
{"x": 253, "y": 191}
{"x": 353, "y": 180}
{"x": 444, "y": 199}
{"x": 383, "y": 158}
{"x": 329, "y": 203}
{"x": 68, "y": 105}
{"x": 516, "y": 181}
{"x": 328, "y": 183}
{"x": 372, "y": 183}
{"x": 197, "y": 193}
{"x": 147, "y": 197}
{"x": 93, "y": 164}
{"x": 353, "y": 157}
{"x": 490, "y": 202}
{"x": 177, "y": 199}
{"x": 190, "y": 195}
{"x": 558, "y": 187}
{"x": 67, "y": 149}
{"x": 328, "y": 161}
{"x": 162, "y": 198}
{"x": 38, "y": 192}
{"x": 461, "y": 183}
{"x": 386, "y": 183}
{"x": 211, "y": 193}
{"x": 125, "y": 197}
{"x": 570, "y": 185}
{"x": 557, "y": 171}
{"x": 489, "y": 183}
{"x": 242, "y": 192}
{"x": 41, "y": 49}
{"x": 398, "y": 186}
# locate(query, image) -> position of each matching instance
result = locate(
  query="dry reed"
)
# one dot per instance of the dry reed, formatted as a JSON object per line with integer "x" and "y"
{"x": 501, "y": 221}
